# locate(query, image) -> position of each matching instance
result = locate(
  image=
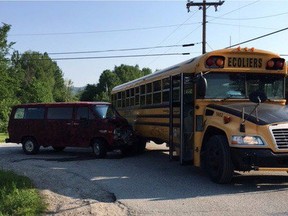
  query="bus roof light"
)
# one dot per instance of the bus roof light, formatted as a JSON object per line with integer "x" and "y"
{"x": 270, "y": 64}
{"x": 275, "y": 64}
{"x": 220, "y": 62}
{"x": 210, "y": 62}
{"x": 215, "y": 62}
{"x": 279, "y": 64}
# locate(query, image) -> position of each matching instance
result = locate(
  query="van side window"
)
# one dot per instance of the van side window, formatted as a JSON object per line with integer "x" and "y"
{"x": 60, "y": 113}
{"x": 29, "y": 113}
{"x": 19, "y": 113}
{"x": 83, "y": 114}
{"x": 34, "y": 113}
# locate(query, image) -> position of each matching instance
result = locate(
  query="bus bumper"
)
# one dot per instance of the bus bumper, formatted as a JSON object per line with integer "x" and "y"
{"x": 259, "y": 159}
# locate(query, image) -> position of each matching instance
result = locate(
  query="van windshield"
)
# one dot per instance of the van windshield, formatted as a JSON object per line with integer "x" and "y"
{"x": 104, "y": 111}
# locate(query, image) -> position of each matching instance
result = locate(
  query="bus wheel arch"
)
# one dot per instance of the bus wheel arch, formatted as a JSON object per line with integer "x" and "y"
{"x": 30, "y": 145}
{"x": 216, "y": 157}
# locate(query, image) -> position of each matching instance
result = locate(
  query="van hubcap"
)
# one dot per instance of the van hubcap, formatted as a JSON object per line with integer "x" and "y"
{"x": 96, "y": 148}
{"x": 29, "y": 146}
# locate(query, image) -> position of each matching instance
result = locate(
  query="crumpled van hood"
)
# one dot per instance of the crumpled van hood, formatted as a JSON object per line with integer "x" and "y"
{"x": 266, "y": 113}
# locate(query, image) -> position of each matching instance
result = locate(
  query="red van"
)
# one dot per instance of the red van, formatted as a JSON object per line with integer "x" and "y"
{"x": 79, "y": 124}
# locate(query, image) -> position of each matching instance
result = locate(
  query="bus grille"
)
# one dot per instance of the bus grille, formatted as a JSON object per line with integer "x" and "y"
{"x": 281, "y": 137}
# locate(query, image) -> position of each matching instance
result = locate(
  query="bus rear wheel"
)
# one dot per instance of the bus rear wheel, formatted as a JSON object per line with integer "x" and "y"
{"x": 218, "y": 163}
{"x": 30, "y": 146}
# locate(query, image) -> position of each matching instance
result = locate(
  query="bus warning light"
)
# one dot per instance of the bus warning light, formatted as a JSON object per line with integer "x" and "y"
{"x": 275, "y": 64}
{"x": 215, "y": 62}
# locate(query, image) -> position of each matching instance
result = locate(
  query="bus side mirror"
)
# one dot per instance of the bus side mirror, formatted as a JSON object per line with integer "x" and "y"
{"x": 201, "y": 86}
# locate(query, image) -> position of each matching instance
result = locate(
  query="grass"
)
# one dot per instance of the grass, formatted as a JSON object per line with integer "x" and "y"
{"x": 3, "y": 136}
{"x": 18, "y": 196}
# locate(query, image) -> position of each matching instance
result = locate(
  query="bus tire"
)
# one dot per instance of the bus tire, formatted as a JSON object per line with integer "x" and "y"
{"x": 218, "y": 163}
{"x": 99, "y": 148}
{"x": 30, "y": 146}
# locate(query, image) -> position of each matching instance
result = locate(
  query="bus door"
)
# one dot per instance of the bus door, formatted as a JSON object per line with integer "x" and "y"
{"x": 187, "y": 117}
{"x": 174, "y": 121}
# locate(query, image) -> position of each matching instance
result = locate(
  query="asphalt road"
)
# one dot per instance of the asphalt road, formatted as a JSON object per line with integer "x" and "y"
{"x": 149, "y": 184}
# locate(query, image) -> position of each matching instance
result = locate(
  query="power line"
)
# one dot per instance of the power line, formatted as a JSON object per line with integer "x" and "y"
{"x": 116, "y": 50}
{"x": 251, "y": 18}
{"x": 284, "y": 29}
{"x": 245, "y": 26}
{"x": 101, "y": 31}
{"x": 235, "y": 10}
{"x": 204, "y": 5}
{"x": 120, "y": 56}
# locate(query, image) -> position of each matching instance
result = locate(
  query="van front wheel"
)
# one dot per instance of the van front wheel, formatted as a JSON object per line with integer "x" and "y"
{"x": 30, "y": 146}
{"x": 99, "y": 149}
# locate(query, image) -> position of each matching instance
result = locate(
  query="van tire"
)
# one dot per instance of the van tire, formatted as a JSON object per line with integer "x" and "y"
{"x": 99, "y": 148}
{"x": 218, "y": 163}
{"x": 30, "y": 146}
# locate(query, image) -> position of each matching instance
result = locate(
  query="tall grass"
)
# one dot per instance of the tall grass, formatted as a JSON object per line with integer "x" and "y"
{"x": 3, "y": 136}
{"x": 18, "y": 195}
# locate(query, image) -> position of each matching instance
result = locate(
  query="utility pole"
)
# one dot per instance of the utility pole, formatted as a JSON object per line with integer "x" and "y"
{"x": 204, "y": 5}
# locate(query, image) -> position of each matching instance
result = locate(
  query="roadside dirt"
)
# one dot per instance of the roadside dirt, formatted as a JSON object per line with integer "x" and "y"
{"x": 63, "y": 206}
{"x": 65, "y": 191}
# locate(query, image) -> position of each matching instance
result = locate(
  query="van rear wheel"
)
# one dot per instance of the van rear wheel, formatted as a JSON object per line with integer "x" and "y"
{"x": 30, "y": 146}
{"x": 99, "y": 148}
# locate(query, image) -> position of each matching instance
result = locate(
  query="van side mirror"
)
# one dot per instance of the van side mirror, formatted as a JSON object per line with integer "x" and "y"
{"x": 201, "y": 85}
{"x": 257, "y": 97}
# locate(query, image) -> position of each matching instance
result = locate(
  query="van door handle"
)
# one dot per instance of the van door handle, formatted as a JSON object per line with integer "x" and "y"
{"x": 68, "y": 123}
{"x": 76, "y": 124}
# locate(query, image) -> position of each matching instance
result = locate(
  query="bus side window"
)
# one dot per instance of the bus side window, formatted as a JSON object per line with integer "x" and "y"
{"x": 142, "y": 95}
{"x": 136, "y": 96}
{"x": 166, "y": 88}
{"x": 157, "y": 92}
{"x": 119, "y": 99}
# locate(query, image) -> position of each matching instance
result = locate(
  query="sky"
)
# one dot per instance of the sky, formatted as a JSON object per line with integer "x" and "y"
{"x": 71, "y": 31}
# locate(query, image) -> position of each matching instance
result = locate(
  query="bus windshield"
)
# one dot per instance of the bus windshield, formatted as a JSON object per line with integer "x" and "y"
{"x": 235, "y": 85}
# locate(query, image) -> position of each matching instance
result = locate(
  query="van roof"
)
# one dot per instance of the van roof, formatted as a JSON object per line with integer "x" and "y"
{"x": 55, "y": 104}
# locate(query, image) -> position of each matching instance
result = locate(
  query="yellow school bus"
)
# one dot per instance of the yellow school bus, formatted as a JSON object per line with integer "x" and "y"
{"x": 224, "y": 111}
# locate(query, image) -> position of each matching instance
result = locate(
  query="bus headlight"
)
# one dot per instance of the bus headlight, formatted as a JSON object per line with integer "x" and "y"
{"x": 247, "y": 140}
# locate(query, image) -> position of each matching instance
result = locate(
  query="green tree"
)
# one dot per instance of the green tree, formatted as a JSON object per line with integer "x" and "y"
{"x": 42, "y": 79}
{"x": 109, "y": 79}
{"x": 89, "y": 93}
{"x": 7, "y": 86}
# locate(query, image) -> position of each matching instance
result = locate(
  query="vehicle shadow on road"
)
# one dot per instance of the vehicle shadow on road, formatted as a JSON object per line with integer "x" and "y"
{"x": 148, "y": 176}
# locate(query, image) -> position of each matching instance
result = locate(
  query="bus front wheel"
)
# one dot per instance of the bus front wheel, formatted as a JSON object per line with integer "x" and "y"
{"x": 218, "y": 161}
